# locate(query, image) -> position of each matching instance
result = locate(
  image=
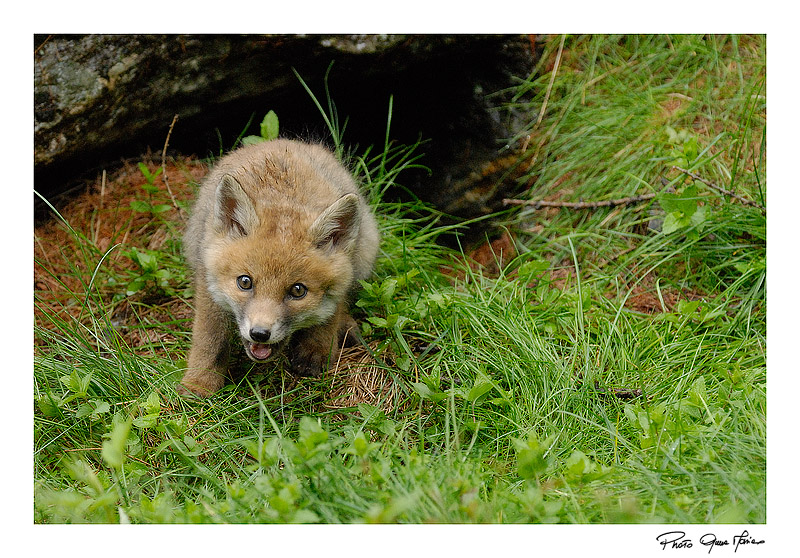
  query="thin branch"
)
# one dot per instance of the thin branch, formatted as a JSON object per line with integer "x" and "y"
{"x": 720, "y": 189}
{"x": 164, "y": 165}
{"x": 100, "y": 213}
{"x": 632, "y": 200}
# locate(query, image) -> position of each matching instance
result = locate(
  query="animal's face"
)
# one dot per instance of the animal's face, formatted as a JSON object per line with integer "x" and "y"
{"x": 274, "y": 287}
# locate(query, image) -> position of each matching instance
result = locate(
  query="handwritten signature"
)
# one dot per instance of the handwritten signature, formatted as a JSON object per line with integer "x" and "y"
{"x": 678, "y": 540}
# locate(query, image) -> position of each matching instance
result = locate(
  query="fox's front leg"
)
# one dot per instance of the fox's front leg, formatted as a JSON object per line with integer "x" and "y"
{"x": 312, "y": 349}
{"x": 208, "y": 356}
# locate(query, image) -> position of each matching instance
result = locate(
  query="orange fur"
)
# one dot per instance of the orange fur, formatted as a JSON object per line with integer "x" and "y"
{"x": 278, "y": 239}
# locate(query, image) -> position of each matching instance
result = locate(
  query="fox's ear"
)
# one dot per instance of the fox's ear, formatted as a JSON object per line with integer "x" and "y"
{"x": 338, "y": 225}
{"x": 233, "y": 210}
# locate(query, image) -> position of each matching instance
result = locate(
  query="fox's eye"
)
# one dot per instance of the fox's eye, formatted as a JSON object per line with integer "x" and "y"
{"x": 244, "y": 282}
{"x": 298, "y": 290}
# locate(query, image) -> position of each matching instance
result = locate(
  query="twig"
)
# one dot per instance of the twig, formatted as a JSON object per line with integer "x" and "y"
{"x": 164, "y": 166}
{"x": 100, "y": 213}
{"x": 36, "y": 50}
{"x": 722, "y": 190}
{"x": 583, "y": 205}
{"x": 102, "y": 188}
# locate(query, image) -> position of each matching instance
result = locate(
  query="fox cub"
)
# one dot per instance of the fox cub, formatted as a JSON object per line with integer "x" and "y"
{"x": 278, "y": 239}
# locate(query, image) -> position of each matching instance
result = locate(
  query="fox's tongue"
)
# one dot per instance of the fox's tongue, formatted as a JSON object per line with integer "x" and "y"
{"x": 260, "y": 350}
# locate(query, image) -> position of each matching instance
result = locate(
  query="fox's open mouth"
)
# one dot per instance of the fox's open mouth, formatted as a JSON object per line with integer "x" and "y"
{"x": 259, "y": 352}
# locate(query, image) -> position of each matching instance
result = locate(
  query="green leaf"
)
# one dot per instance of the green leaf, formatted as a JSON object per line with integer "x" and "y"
{"x": 47, "y": 406}
{"x": 531, "y": 461}
{"x": 376, "y": 418}
{"x": 698, "y": 218}
{"x": 141, "y": 206}
{"x": 580, "y": 467}
{"x": 187, "y": 447}
{"x": 403, "y": 279}
{"x": 388, "y": 288}
{"x": 480, "y": 387}
{"x": 368, "y": 287}
{"x": 160, "y": 208}
{"x": 94, "y": 408}
{"x": 396, "y": 321}
{"x": 690, "y": 149}
{"x": 577, "y": 465}
{"x": 269, "y": 126}
{"x": 113, "y": 451}
{"x": 478, "y": 390}
{"x": 145, "y": 421}
{"x": 176, "y": 427}
{"x": 672, "y": 135}
{"x": 304, "y": 516}
{"x": 152, "y": 405}
{"x": 378, "y": 321}
{"x": 84, "y": 410}
{"x": 250, "y": 140}
{"x": 311, "y": 433}
{"x": 403, "y": 362}
{"x": 675, "y": 222}
{"x": 135, "y": 286}
{"x": 427, "y": 393}
{"x": 81, "y": 471}
{"x": 361, "y": 447}
{"x": 266, "y": 453}
{"x": 687, "y": 307}
{"x": 76, "y": 383}
{"x": 529, "y": 270}
{"x": 146, "y": 260}
{"x": 145, "y": 172}
{"x": 672, "y": 203}
{"x": 697, "y": 392}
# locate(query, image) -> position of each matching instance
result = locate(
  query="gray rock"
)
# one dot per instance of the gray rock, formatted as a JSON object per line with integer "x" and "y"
{"x": 101, "y": 97}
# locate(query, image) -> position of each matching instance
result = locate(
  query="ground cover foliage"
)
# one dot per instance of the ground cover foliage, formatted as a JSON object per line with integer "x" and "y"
{"x": 595, "y": 364}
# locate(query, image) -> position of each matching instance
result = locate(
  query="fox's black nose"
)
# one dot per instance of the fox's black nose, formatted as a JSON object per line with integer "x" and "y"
{"x": 259, "y": 334}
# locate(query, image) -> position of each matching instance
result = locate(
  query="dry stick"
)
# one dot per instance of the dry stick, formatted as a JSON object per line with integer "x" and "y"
{"x": 100, "y": 213}
{"x": 582, "y": 205}
{"x": 164, "y": 166}
{"x": 102, "y": 188}
{"x": 720, "y": 189}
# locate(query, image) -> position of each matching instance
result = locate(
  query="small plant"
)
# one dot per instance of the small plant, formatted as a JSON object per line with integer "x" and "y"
{"x": 684, "y": 149}
{"x": 142, "y": 206}
{"x": 157, "y": 273}
{"x": 685, "y": 211}
{"x": 269, "y": 130}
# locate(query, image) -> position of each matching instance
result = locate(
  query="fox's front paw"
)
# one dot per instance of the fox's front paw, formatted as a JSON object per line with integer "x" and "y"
{"x": 306, "y": 363}
{"x": 184, "y": 391}
{"x": 200, "y": 385}
{"x": 349, "y": 333}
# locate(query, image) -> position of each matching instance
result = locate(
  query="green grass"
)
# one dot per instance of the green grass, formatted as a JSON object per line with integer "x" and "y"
{"x": 519, "y": 413}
